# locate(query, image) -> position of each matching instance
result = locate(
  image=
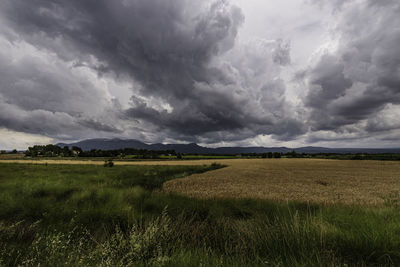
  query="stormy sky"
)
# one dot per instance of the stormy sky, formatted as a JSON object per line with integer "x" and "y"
{"x": 215, "y": 72}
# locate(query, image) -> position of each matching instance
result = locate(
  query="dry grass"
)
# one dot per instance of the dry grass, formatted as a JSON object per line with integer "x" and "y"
{"x": 305, "y": 180}
{"x": 11, "y": 156}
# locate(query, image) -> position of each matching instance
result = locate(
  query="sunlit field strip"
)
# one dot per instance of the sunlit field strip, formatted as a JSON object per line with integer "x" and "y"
{"x": 304, "y": 180}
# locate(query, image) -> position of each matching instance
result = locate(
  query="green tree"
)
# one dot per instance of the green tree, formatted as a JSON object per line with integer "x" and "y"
{"x": 76, "y": 150}
{"x": 66, "y": 152}
{"x": 293, "y": 154}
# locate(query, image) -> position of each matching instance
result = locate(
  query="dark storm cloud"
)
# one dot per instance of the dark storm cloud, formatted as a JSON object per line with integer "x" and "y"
{"x": 362, "y": 77}
{"x": 47, "y": 123}
{"x": 163, "y": 44}
{"x": 177, "y": 50}
{"x": 31, "y": 83}
{"x": 40, "y": 94}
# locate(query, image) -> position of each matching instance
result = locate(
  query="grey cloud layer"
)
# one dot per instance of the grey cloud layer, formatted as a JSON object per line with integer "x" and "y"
{"x": 362, "y": 77}
{"x": 41, "y": 94}
{"x": 174, "y": 50}
{"x": 191, "y": 79}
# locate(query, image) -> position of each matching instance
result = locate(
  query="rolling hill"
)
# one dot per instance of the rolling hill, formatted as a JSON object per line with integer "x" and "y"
{"x": 193, "y": 148}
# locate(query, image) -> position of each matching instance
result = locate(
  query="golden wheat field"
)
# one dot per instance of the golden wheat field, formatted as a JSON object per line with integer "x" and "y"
{"x": 305, "y": 180}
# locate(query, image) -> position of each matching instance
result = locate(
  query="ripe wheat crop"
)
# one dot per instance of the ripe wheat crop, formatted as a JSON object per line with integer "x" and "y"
{"x": 305, "y": 180}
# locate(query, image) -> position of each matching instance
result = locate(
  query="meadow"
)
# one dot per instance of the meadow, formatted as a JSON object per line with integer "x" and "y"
{"x": 137, "y": 214}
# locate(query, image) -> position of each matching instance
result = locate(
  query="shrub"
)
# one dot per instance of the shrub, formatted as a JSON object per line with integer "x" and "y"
{"x": 108, "y": 163}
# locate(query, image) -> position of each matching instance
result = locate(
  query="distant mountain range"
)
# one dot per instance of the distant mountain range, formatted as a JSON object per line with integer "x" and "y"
{"x": 192, "y": 148}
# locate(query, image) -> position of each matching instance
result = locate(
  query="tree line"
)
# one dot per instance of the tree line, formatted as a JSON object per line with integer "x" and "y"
{"x": 346, "y": 156}
{"x": 56, "y": 151}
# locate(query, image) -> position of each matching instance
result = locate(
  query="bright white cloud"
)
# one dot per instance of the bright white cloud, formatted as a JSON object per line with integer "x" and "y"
{"x": 10, "y": 140}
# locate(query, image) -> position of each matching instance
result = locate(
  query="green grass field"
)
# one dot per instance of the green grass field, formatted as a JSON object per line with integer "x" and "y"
{"x": 83, "y": 215}
{"x": 125, "y": 158}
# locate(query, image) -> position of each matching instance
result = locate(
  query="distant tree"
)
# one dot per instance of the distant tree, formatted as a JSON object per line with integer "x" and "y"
{"x": 76, "y": 150}
{"x": 270, "y": 155}
{"x": 29, "y": 152}
{"x": 48, "y": 151}
{"x": 66, "y": 152}
{"x": 155, "y": 156}
{"x": 264, "y": 155}
{"x": 292, "y": 154}
{"x": 179, "y": 156}
{"x": 277, "y": 155}
{"x": 3, "y": 152}
{"x": 14, "y": 151}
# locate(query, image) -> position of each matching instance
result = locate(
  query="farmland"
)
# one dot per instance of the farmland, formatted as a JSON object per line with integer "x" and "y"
{"x": 304, "y": 180}
{"x": 238, "y": 212}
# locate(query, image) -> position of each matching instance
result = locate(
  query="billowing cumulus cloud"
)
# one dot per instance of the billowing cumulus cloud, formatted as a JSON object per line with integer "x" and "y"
{"x": 246, "y": 99}
{"x": 192, "y": 82}
{"x": 357, "y": 83}
{"x": 183, "y": 70}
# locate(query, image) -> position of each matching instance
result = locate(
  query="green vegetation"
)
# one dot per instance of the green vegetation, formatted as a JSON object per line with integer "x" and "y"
{"x": 108, "y": 163}
{"x": 56, "y": 151}
{"x": 51, "y": 151}
{"x": 359, "y": 156}
{"x": 69, "y": 215}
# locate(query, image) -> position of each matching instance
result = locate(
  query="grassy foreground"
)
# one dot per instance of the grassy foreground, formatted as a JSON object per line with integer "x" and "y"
{"x": 83, "y": 215}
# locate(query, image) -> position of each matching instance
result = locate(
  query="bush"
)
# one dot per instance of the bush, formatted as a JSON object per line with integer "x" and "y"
{"x": 277, "y": 155}
{"x": 108, "y": 163}
{"x": 215, "y": 166}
